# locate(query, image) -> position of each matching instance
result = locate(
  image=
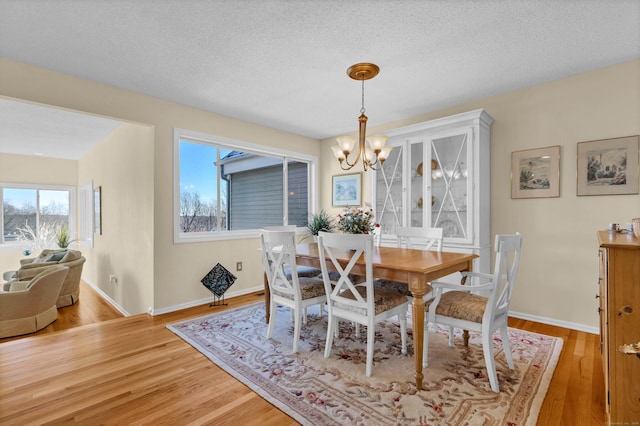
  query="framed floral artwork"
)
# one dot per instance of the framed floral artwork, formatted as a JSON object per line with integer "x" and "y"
{"x": 608, "y": 166}
{"x": 535, "y": 173}
{"x": 346, "y": 190}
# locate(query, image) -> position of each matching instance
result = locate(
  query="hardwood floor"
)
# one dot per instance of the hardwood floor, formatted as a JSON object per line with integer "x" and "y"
{"x": 93, "y": 366}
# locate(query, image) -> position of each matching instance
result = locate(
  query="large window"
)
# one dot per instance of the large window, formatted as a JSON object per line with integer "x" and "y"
{"x": 34, "y": 213}
{"x": 230, "y": 189}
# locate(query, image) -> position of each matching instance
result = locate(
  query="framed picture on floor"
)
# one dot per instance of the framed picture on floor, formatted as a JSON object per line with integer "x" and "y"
{"x": 608, "y": 166}
{"x": 535, "y": 173}
{"x": 346, "y": 190}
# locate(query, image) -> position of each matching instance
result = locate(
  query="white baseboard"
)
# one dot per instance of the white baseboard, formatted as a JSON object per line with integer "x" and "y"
{"x": 551, "y": 321}
{"x": 107, "y": 298}
{"x": 199, "y": 302}
{"x": 191, "y": 304}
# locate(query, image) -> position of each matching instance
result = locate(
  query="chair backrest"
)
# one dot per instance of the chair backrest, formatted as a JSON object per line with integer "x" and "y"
{"x": 419, "y": 238}
{"x": 280, "y": 228}
{"x": 377, "y": 236}
{"x": 47, "y": 284}
{"x": 333, "y": 247}
{"x": 278, "y": 254}
{"x": 39, "y": 296}
{"x": 507, "y": 249}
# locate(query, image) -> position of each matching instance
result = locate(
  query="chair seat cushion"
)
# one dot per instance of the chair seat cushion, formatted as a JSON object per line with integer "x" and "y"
{"x": 304, "y": 272}
{"x": 384, "y": 300}
{"x": 396, "y": 286}
{"x": 460, "y": 305}
{"x": 309, "y": 288}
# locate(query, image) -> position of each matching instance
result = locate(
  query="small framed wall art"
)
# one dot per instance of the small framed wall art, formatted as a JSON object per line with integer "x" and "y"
{"x": 608, "y": 166}
{"x": 97, "y": 210}
{"x": 347, "y": 190}
{"x": 535, "y": 173}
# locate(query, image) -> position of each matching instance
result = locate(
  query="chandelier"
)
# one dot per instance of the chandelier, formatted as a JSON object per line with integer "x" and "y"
{"x": 376, "y": 152}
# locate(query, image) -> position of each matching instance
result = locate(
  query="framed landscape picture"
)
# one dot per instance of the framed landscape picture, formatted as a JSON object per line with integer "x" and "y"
{"x": 608, "y": 166}
{"x": 535, "y": 173}
{"x": 347, "y": 190}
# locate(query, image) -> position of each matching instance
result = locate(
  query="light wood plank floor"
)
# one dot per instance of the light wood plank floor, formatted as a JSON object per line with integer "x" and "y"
{"x": 92, "y": 366}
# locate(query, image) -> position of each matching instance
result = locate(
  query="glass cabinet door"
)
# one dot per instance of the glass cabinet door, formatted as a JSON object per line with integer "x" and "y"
{"x": 415, "y": 184}
{"x": 451, "y": 186}
{"x": 389, "y": 190}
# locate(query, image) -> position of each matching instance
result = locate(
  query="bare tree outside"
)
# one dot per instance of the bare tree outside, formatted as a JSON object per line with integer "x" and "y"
{"x": 17, "y": 217}
{"x": 190, "y": 210}
{"x": 197, "y": 215}
{"x": 23, "y": 221}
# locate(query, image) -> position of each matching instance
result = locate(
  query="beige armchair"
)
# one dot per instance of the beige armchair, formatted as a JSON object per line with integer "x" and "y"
{"x": 29, "y": 268}
{"x": 34, "y": 308}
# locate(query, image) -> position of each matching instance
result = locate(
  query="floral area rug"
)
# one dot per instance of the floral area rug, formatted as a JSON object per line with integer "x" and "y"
{"x": 335, "y": 391}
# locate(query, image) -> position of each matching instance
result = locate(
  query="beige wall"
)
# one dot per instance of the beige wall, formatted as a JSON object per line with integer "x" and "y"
{"x": 122, "y": 166}
{"x": 32, "y": 170}
{"x": 558, "y": 275}
{"x": 559, "y": 269}
{"x": 177, "y": 269}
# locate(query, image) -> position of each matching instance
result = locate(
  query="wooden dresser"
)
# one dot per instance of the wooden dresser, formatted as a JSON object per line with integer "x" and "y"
{"x": 619, "y": 296}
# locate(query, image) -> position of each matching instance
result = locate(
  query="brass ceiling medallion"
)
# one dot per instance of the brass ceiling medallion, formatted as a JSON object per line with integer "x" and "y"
{"x": 363, "y": 71}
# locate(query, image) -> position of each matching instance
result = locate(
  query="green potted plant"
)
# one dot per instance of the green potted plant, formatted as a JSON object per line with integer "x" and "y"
{"x": 63, "y": 238}
{"x": 320, "y": 222}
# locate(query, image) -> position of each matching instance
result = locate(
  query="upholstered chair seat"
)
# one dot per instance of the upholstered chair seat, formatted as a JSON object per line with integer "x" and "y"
{"x": 461, "y": 305}
{"x": 398, "y": 287}
{"x": 383, "y": 300}
{"x": 309, "y": 289}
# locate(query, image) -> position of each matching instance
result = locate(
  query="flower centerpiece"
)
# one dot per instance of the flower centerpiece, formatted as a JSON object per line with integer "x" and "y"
{"x": 356, "y": 221}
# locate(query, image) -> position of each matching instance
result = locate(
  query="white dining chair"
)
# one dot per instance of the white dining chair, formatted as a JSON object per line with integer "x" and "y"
{"x": 480, "y": 305}
{"x": 285, "y": 286}
{"x": 413, "y": 238}
{"x": 360, "y": 303}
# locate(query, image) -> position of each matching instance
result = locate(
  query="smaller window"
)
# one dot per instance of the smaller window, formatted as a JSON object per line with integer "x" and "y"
{"x": 35, "y": 213}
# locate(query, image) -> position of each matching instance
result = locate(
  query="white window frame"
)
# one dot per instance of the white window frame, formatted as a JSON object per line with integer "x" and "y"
{"x": 232, "y": 144}
{"x": 12, "y": 245}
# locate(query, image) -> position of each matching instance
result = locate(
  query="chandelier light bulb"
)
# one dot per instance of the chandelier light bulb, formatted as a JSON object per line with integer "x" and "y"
{"x": 376, "y": 142}
{"x": 384, "y": 153}
{"x": 346, "y": 144}
{"x": 338, "y": 153}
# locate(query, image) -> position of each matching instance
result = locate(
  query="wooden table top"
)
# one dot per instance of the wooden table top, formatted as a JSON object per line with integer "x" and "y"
{"x": 396, "y": 261}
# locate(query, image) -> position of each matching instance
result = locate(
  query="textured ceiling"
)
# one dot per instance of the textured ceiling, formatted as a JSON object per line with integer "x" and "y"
{"x": 31, "y": 129}
{"x": 282, "y": 63}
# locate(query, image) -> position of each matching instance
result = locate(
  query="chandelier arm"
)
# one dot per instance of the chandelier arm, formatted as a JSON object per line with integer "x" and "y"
{"x": 355, "y": 161}
{"x": 346, "y": 168}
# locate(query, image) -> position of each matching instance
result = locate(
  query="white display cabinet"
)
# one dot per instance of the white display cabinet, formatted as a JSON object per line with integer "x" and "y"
{"x": 438, "y": 175}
